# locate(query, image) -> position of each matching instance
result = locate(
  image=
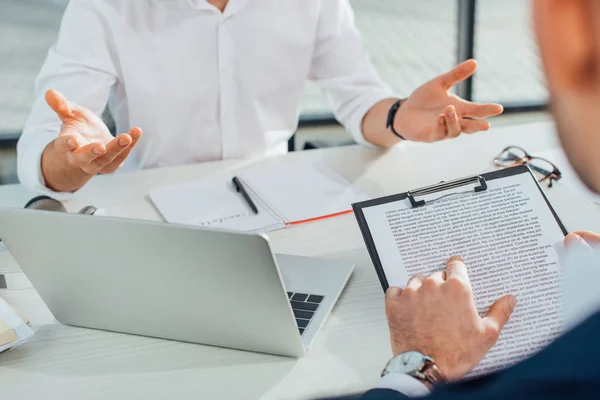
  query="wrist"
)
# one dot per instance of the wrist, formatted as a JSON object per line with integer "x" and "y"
{"x": 391, "y": 118}
{"x": 417, "y": 365}
{"x": 425, "y": 382}
{"x": 58, "y": 173}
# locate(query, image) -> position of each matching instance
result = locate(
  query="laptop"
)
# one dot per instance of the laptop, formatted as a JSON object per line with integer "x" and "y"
{"x": 174, "y": 282}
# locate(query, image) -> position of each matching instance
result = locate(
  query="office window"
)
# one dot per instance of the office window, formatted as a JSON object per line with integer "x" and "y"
{"x": 409, "y": 42}
{"x": 509, "y": 65}
{"x": 28, "y": 29}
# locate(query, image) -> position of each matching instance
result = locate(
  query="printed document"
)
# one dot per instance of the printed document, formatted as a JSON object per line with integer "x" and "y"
{"x": 506, "y": 235}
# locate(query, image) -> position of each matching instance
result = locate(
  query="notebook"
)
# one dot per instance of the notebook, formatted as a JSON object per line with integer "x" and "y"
{"x": 285, "y": 194}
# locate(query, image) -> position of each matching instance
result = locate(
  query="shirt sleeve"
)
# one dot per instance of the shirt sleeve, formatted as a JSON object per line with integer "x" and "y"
{"x": 80, "y": 66}
{"x": 404, "y": 384}
{"x": 341, "y": 66}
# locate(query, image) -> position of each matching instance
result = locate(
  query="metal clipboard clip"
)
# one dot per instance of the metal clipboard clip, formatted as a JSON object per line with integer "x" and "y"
{"x": 443, "y": 186}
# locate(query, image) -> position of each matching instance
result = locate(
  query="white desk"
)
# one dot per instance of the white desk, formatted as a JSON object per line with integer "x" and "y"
{"x": 65, "y": 362}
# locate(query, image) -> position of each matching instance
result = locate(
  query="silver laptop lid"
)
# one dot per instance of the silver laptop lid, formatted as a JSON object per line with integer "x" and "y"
{"x": 155, "y": 279}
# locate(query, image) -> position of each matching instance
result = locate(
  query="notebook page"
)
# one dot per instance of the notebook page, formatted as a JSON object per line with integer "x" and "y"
{"x": 298, "y": 191}
{"x": 213, "y": 203}
{"x": 506, "y": 237}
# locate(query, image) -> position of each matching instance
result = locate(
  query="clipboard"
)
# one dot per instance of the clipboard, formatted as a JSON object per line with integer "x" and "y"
{"x": 476, "y": 183}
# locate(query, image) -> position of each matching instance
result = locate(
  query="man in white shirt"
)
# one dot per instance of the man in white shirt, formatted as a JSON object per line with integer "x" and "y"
{"x": 210, "y": 80}
{"x": 436, "y": 317}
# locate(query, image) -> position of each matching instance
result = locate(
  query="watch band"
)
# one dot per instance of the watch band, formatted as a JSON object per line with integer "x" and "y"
{"x": 428, "y": 372}
{"x": 432, "y": 374}
{"x": 392, "y": 115}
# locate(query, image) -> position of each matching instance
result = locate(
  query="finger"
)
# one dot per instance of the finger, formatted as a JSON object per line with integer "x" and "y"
{"x": 59, "y": 104}
{"x": 499, "y": 313}
{"x": 113, "y": 149}
{"x": 452, "y": 122}
{"x": 574, "y": 242}
{"x": 65, "y": 143}
{"x": 135, "y": 134}
{"x": 480, "y": 111}
{"x": 83, "y": 156}
{"x": 474, "y": 125}
{"x": 573, "y": 239}
{"x": 415, "y": 282}
{"x": 459, "y": 73}
{"x": 438, "y": 276}
{"x": 587, "y": 236}
{"x": 456, "y": 269}
{"x": 393, "y": 291}
{"x": 441, "y": 130}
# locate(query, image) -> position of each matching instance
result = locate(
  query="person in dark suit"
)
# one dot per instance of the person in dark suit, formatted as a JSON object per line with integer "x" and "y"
{"x": 436, "y": 333}
{"x": 567, "y": 369}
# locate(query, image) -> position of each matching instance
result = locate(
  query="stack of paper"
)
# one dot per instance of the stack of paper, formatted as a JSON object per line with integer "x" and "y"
{"x": 14, "y": 328}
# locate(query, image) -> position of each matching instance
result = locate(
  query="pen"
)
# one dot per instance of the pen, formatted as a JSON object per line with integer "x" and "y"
{"x": 240, "y": 188}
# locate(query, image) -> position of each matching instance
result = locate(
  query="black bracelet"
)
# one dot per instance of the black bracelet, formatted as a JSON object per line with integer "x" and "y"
{"x": 392, "y": 115}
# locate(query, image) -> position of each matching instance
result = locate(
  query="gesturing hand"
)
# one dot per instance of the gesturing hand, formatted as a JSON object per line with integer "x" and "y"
{"x": 86, "y": 141}
{"x": 437, "y": 317}
{"x": 431, "y": 113}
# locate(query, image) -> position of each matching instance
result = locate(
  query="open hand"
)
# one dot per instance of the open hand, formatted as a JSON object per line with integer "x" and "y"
{"x": 437, "y": 317}
{"x": 86, "y": 141}
{"x": 432, "y": 113}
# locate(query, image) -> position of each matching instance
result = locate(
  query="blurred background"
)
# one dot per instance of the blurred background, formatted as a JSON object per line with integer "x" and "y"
{"x": 409, "y": 42}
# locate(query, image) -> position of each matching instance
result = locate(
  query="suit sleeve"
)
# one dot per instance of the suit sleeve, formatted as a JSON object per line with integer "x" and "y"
{"x": 383, "y": 394}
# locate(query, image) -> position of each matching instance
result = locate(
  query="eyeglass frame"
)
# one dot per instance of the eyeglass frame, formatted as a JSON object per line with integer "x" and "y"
{"x": 553, "y": 176}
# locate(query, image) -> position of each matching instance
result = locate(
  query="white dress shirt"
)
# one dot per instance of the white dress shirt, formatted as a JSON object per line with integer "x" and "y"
{"x": 203, "y": 85}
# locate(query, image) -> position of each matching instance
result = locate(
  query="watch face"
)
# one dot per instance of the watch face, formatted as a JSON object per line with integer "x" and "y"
{"x": 408, "y": 362}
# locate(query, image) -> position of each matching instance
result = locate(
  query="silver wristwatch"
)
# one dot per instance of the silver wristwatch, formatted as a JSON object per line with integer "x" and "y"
{"x": 416, "y": 365}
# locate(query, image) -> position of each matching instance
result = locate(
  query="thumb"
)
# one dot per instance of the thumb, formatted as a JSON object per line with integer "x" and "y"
{"x": 591, "y": 238}
{"x": 59, "y": 104}
{"x": 500, "y": 312}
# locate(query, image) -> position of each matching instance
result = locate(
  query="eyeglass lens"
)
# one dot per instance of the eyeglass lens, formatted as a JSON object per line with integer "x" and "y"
{"x": 511, "y": 156}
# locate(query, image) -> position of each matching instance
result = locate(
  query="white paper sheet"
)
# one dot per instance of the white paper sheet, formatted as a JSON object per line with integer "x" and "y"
{"x": 580, "y": 264}
{"x": 298, "y": 191}
{"x": 506, "y": 237}
{"x": 283, "y": 193}
{"x": 213, "y": 203}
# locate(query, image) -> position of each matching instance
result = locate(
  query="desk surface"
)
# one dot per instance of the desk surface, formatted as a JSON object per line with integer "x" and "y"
{"x": 347, "y": 356}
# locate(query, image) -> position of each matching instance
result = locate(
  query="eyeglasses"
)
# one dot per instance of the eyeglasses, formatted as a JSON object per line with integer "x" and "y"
{"x": 542, "y": 168}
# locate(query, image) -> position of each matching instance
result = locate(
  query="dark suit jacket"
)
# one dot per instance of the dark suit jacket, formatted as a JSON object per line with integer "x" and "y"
{"x": 568, "y": 369}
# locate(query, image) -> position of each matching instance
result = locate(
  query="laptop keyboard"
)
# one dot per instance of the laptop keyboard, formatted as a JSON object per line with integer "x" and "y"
{"x": 304, "y": 306}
